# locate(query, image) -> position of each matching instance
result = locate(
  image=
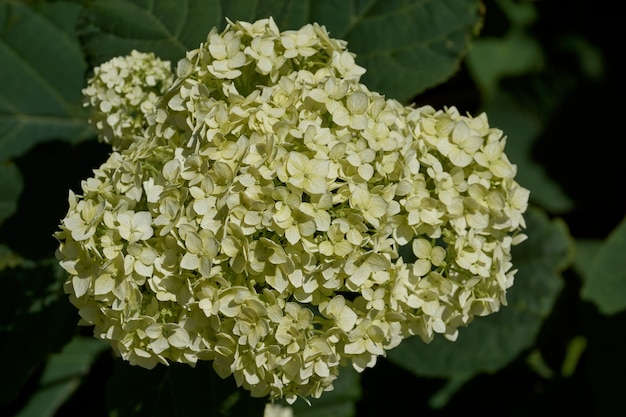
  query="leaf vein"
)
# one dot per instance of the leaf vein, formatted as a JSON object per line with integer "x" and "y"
{"x": 37, "y": 76}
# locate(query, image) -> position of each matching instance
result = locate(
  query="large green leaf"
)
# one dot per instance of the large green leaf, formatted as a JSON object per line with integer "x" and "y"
{"x": 167, "y": 28}
{"x": 586, "y": 251}
{"x": 492, "y": 59}
{"x": 407, "y": 46}
{"x": 62, "y": 375}
{"x": 36, "y": 319}
{"x": 605, "y": 281}
{"x": 490, "y": 343}
{"x": 177, "y": 390}
{"x": 10, "y": 189}
{"x": 41, "y": 74}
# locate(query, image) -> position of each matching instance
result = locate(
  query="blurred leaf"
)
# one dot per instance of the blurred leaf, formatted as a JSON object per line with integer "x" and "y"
{"x": 451, "y": 387}
{"x": 575, "y": 348}
{"x": 490, "y": 343}
{"x": 537, "y": 363}
{"x": 589, "y": 57}
{"x": 177, "y": 390}
{"x": 519, "y": 14}
{"x": 522, "y": 127}
{"x": 35, "y": 321}
{"x": 586, "y": 251}
{"x": 515, "y": 53}
{"x": 492, "y": 59}
{"x": 8, "y": 258}
{"x": 10, "y": 189}
{"x": 407, "y": 46}
{"x": 525, "y": 105}
{"x": 605, "y": 282}
{"x": 42, "y": 74}
{"x": 62, "y": 375}
{"x": 340, "y": 402}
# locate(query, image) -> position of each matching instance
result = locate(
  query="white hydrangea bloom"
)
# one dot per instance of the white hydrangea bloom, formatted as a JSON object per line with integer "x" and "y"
{"x": 122, "y": 93}
{"x": 258, "y": 222}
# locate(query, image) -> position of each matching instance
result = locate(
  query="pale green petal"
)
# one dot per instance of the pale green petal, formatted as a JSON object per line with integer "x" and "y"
{"x": 190, "y": 261}
{"x": 297, "y": 163}
{"x": 180, "y": 338}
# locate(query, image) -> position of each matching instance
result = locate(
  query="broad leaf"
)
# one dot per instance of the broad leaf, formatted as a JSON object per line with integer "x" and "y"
{"x": 605, "y": 281}
{"x": 492, "y": 59}
{"x": 62, "y": 375}
{"x": 10, "y": 189}
{"x": 586, "y": 251}
{"x": 407, "y": 46}
{"x": 35, "y": 321}
{"x": 42, "y": 74}
{"x": 490, "y": 343}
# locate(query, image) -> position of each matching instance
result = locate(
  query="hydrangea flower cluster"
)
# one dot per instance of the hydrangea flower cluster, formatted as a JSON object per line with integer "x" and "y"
{"x": 121, "y": 94}
{"x": 279, "y": 219}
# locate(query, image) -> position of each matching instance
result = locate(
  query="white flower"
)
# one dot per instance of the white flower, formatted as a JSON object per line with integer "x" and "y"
{"x": 135, "y": 226}
{"x": 254, "y": 214}
{"x": 309, "y": 175}
{"x": 300, "y": 42}
{"x": 227, "y": 54}
{"x": 122, "y": 93}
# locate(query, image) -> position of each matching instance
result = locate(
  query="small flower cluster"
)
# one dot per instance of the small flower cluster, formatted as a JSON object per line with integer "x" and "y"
{"x": 122, "y": 93}
{"x": 281, "y": 220}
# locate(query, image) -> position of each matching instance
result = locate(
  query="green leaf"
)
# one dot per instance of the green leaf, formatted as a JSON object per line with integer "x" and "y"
{"x": 8, "y": 258}
{"x": 35, "y": 321}
{"x": 62, "y": 375}
{"x": 407, "y": 46}
{"x": 42, "y": 74}
{"x": 605, "y": 283}
{"x": 516, "y": 53}
{"x": 575, "y": 349}
{"x": 490, "y": 343}
{"x": 177, "y": 390}
{"x": 167, "y": 28}
{"x": 537, "y": 363}
{"x": 340, "y": 402}
{"x": 492, "y": 59}
{"x": 586, "y": 251}
{"x": 10, "y": 189}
